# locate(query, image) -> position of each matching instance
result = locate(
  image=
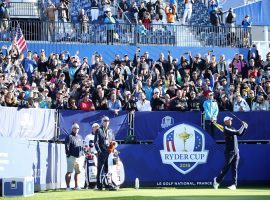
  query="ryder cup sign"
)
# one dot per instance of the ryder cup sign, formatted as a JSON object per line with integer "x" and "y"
{"x": 184, "y": 148}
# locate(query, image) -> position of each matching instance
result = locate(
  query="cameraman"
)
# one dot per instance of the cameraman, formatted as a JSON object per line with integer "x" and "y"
{"x": 103, "y": 137}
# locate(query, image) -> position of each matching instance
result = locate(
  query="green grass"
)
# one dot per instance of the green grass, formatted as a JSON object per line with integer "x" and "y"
{"x": 157, "y": 193}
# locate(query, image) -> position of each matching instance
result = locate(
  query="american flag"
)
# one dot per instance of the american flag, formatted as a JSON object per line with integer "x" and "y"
{"x": 19, "y": 39}
{"x": 170, "y": 142}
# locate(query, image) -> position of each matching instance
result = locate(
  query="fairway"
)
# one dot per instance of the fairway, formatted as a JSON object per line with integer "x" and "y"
{"x": 160, "y": 193}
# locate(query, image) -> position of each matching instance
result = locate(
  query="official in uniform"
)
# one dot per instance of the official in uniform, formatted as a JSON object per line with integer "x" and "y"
{"x": 103, "y": 138}
{"x": 231, "y": 152}
{"x": 75, "y": 155}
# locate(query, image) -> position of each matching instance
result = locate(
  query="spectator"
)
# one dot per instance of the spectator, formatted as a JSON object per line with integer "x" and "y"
{"x": 260, "y": 104}
{"x": 63, "y": 14}
{"x": 134, "y": 13}
{"x": 180, "y": 102}
{"x": 129, "y": 102}
{"x": 193, "y": 102}
{"x": 225, "y": 104}
{"x": 123, "y": 8}
{"x": 143, "y": 104}
{"x": 188, "y": 10}
{"x": 84, "y": 21}
{"x": 142, "y": 11}
{"x": 110, "y": 22}
{"x": 50, "y": 12}
{"x": 94, "y": 10}
{"x": 246, "y": 24}
{"x": 157, "y": 102}
{"x": 146, "y": 20}
{"x": 114, "y": 104}
{"x": 86, "y": 104}
{"x": 170, "y": 14}
{"x": 240, "y": 104}
{"x": 4, "y": 16}
{"x": 230, "y": 18}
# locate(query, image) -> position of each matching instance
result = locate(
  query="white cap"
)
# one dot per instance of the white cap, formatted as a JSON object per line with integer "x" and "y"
{"x": 95, "y": 125}
{"x": 75, "y": 125}
{"x": 105, "y": 118}
{"x": 227, "y": 118}
{"x": 156, "y": 90}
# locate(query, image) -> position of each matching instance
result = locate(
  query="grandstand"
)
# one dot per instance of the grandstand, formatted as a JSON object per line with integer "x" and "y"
{"x": 161, "y": 74}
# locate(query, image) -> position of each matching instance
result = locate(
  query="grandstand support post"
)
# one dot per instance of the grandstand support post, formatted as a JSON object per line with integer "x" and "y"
{"x": 266, "y": 36}
{"x": 56, "y": 124}
{"x": 202, "y": 120}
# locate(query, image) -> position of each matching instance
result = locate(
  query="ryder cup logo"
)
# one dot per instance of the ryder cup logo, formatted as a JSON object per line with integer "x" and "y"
{"x": 184, "y": 148}
{"x": 167, "y": 121}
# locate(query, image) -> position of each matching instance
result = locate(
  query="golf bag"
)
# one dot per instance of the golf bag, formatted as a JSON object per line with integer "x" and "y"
{"x": 90, "y": 166}
{"x": 116, "y": 173}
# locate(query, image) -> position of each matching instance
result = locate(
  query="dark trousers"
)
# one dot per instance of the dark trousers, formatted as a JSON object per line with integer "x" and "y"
{"x": 102, "y": 160}
{"x": 231, "y": 161}
{"x": 210, "y": 128}
{"x": 110, "y": 36}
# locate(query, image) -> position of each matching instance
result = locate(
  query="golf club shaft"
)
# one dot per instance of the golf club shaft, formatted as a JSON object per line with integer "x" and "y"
{"x": 236, "y": 117}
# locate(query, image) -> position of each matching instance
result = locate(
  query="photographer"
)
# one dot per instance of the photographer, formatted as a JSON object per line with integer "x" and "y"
{"x": 129, "y": 102}
{"x": 157, "y": 102}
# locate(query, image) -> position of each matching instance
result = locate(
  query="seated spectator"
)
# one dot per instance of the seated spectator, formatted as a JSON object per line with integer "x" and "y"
{"x": 143, "y": 104}
{"x": 86, "y": 103}
{"x": 114, "y": 104}
{"x": 129, "y": 102}
{"x": 180, "y": 102}
{"x": 100, "y": 101}
{"x": 225, "y": 104}
{"x": 240, "y": 104}
{"x": 157, "y": 102}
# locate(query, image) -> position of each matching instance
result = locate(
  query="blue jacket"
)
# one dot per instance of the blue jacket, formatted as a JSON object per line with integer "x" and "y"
{"x": 110, "y": 23}
{"x": 74, "y": 145}
{"x": 210, "y": 109}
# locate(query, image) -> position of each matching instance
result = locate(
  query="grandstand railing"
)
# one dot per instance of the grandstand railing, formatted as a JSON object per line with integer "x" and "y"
{"x": 130, "y": 34}
{"x": 24, "y": 9}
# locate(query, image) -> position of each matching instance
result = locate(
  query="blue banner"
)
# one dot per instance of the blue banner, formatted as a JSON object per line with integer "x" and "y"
{"x": 149, "y": 124}
{"x": 258, "y": 124}
{"x": 185, "y": 155}
{"x": 27, "y": 123}
{"x": 118, "y": 123}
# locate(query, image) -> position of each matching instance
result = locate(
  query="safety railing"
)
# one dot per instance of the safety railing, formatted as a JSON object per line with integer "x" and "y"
{"x": 129, "y": 34}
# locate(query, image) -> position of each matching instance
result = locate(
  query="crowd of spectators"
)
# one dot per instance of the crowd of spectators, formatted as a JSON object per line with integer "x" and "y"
{"x": 63, "y": 81}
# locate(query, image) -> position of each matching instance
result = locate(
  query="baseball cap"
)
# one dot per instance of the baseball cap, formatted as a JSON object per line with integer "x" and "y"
{"x": 75, "y": 125}
{"x": 95, "y": 125}
{"x": 156, "y": 90}
{"x": 227, "y": 118}
{"x": 105, "y": 118}
{"x": 127, "y": 93}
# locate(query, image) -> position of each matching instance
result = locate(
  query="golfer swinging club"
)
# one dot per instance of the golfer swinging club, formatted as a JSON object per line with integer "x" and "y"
{"x": 231, "y": 152}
